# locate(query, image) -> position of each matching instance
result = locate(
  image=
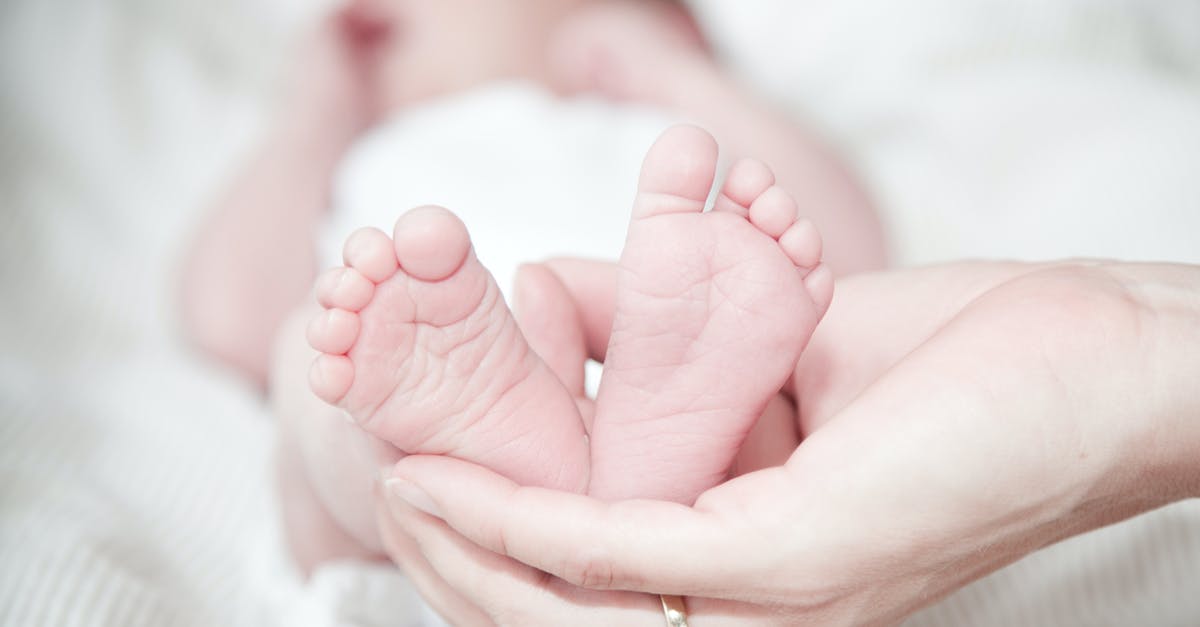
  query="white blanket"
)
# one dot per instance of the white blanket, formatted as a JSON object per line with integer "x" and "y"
{"x": 532, "y": 176}
{"x": 136, "y": 485}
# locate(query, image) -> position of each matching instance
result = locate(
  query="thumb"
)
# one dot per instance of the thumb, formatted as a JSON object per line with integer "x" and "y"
{"x": 593, "y": 288}
{"x": 550, "y": 321}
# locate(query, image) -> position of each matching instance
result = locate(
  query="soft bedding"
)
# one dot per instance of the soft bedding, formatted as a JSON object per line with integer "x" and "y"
{"x": 136, "y": 484}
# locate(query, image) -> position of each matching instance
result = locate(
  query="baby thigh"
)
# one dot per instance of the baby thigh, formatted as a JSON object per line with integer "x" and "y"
{"x": 327, "y": 467}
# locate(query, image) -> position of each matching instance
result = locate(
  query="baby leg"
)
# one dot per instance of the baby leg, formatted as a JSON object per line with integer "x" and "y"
{"x": 644, "y": 52}
{"x": 712, "y": 312}
{"x": 419, "y": 348}
{"x": 326, "y": 465}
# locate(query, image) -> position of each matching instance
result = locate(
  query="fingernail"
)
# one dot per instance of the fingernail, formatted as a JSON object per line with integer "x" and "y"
{"x": 413, "y": 496}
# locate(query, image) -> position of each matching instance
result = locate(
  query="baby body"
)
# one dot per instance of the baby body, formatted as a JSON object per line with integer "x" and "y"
{"x": 712, "y": 310}
{"x": 416, "y": 344}
{"x": 453, "y": 151}
{"x": 478, "y": 152}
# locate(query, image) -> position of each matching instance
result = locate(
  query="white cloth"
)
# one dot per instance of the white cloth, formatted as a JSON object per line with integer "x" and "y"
{"x": 532, "y": 176}
{"x": 1017, "y": 128}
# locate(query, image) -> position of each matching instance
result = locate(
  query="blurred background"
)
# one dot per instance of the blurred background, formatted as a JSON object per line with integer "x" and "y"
{"x": 135, "y": 487}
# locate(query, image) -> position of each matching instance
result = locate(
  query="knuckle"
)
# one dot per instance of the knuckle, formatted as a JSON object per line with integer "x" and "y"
{"x": 498, "y": 539}
{"x": 591, "y": 568}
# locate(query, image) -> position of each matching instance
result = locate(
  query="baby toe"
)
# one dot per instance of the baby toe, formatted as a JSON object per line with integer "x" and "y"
{"x": 333, "y": 331}
{"x": 773, "y": 212}
{"x": 370, "y": 252}
{"x": 344, "y": 288}
{"x": 431, "y": 243}
{"x": 330, "y": 377}
{"x": 819, "y": 284}
{"x": 747, "y": 180}
{"x": 677, "y": 173}
{"x": 802, "y": 244}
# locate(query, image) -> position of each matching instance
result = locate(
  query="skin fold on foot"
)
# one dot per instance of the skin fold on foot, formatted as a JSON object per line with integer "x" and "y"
{"x": 420, "y": 349}
{"x": 713, "y": 310}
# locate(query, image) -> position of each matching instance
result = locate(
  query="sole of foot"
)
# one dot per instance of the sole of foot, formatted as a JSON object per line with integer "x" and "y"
{"x": 419, "y": 347}
{"x": 713, "y": 309}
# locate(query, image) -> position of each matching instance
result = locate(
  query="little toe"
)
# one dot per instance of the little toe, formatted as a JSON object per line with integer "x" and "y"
{"x": 326, "y": 284}
{"x": 774, "y": 211}
{"x": 370, "y": 251}
{"x": 333, "y": 331}
{"x": 819, "y": 284}
{"x": 746, "y": 181}
{"x": 431, "y": 243}
{"x": 330, "y": 377}
{"x": 344, "y": 288}
{"x": 678, "y": 173}
{"x": 802, "y": 244}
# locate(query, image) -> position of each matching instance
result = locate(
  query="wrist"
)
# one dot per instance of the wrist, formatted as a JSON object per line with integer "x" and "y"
{"x": 1171, "y": 416}
{"x": 1180, "y": 367}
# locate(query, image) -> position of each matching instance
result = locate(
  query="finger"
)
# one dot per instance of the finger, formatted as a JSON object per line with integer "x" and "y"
{"x": 510, "y": 592}
{"x": 524, "y": 596}
{"x": 550, "y": 320}
{"x": 440, "y": 595}
{"x": 647, "y": 546}
{"x": 772, "y": 440}
{"x": 587, "y": 412}
{"x": 593, "y": 287}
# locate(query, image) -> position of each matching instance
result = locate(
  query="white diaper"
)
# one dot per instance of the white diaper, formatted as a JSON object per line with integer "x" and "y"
{"x": 531, "y": 174}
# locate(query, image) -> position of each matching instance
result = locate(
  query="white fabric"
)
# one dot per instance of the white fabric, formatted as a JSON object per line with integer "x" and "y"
{"x": 996, "y": 128}
{"x": 531, "y": 175}
{"x": 136, "y": 488}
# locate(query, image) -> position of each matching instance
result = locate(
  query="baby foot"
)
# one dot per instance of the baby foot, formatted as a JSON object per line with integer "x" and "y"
{"x": 713, "y": 310}
{"x": 420, "y": 349}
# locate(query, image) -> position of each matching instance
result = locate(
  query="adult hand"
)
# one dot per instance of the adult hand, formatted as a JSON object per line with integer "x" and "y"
{"x": 955, "y": 419}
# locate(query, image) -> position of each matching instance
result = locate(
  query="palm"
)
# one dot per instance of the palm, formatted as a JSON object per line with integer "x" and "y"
{"x": 956, "y": 419}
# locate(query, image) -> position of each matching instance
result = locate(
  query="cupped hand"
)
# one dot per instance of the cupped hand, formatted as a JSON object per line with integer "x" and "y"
{"x": 955, "y": 419}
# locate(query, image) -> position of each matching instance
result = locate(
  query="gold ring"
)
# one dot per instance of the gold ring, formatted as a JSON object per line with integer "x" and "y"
{"x": 674, "y": 610}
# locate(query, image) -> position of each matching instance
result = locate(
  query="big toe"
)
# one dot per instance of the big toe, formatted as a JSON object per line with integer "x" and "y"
{"x": 819, "y": 284}
{"x": 678, "y": 173}
{"x": 431, "y": 243}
